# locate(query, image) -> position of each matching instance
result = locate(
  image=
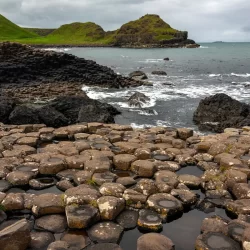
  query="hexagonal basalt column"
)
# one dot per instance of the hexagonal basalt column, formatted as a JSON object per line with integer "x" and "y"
{"x": 83, "y": 216}
{"x": 165, "y": 204}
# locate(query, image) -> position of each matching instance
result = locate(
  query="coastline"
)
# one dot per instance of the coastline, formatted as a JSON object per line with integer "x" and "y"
{"x": 146, "y": 46}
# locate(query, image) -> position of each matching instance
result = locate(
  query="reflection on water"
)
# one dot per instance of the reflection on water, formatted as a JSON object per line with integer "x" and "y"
{"x": 183, "y": 231}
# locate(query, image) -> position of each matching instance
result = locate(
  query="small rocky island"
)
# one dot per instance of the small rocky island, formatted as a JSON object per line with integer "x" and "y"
{"x": 71, "y": 179}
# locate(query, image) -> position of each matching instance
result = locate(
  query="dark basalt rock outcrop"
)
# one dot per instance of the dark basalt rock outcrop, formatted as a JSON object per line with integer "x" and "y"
{"x": 215, "y": 113}
{"x": 24, "y": 64}
{"x": 138, "y": 100}
{"x": 138, "y": 75}
{"x": 62, "y": 111}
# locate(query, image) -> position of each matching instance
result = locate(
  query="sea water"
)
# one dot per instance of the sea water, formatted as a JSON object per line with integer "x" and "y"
{"x": 192, "y": 74}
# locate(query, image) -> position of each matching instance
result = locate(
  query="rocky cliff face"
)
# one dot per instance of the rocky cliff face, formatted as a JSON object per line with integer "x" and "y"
{"x": 23, "y": 64}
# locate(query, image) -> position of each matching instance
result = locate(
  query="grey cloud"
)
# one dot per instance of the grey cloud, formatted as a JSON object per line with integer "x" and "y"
{"x": 246, "y": 29}
{"x": 205, "y": 20}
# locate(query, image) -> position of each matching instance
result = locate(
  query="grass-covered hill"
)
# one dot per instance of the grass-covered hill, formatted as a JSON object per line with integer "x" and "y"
{"x": 11, "y": 31}
{"x": 40, "y": 32}
{"x": 79, "y": 33}
{"x": 147, "y": 30}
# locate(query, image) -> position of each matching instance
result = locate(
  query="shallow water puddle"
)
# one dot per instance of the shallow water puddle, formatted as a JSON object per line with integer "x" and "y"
{"x": 183, "y": 231}
{"x": 191, "y": 170}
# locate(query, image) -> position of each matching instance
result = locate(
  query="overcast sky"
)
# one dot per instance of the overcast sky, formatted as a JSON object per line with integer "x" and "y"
{"x": 205, "y": 20}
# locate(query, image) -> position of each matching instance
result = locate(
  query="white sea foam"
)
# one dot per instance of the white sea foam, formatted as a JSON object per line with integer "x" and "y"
{"x": 203, "y": 47}
{"x": 134, "y": 125}
{"x": 58, "y": 49}
{"x": 241, "y": 75}
{"x": 147, "y": 113}
{"x": 214, "y": 75}
{"x": 151, "y": 61}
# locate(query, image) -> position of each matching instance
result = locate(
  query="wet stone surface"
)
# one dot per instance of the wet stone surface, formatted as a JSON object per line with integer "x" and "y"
{"x": 103, "y": 186}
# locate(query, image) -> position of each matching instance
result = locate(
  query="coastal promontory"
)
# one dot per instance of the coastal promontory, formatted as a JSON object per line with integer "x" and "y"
{"x": 149, "y": 31}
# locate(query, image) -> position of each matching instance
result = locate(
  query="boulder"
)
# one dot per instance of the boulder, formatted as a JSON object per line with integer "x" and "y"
{"x": 138, "y": 100}
{"x": 24, "y": 115}
{"x": 138, "y": 75}
{"x": 51, "y": 117}
{"x": 220, "y": 111}
{"x": 15, "y": 236}
{"x": 6, "y": 107}
{"x": 154, "y": 241}
{"x": 84, "y": 109}
{"x": 159, "y": 72}
{"x": 93, "y": 113}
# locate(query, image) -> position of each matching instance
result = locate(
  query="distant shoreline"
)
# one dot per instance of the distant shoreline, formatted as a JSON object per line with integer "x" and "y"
{"x": 146, "y": 46}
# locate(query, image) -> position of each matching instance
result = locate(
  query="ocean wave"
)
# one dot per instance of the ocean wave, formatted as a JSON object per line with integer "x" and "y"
{"x": 214, "y": 75}
{"x": 147, "y": 112}
{"x": 58, "y": 49}
{"x": 151, "y": 61}
{"x": 203, "y": 47}
{"x": 240, "y": 75}
{"x": 135, "y": 125}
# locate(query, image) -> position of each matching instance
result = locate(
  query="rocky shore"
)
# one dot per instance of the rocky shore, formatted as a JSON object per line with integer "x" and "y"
{"x": 81, "y": 186}
{"x": 220, "y": 111}
{"x": 22, "y": 64}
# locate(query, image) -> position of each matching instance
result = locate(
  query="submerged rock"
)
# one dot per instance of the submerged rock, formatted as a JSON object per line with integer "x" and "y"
{"x": 214, "y": 241}
{"x": 159, "y": 72}
{"x": 138, "y": 75}
{"x": 138, "y": 100}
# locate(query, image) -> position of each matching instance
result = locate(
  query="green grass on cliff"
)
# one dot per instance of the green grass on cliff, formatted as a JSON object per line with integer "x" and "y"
{"x": 40, "y": 32}
{"x": 148, "y": 24}
{"x": 147, "y": 29}
{"x": 11, "y": 31}
{"x": 77, "y": 33}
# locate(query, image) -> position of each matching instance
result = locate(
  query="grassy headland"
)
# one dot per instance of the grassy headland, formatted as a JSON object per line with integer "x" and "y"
{"x": 11, "y": 31}
{"x": 149, "y": 29}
